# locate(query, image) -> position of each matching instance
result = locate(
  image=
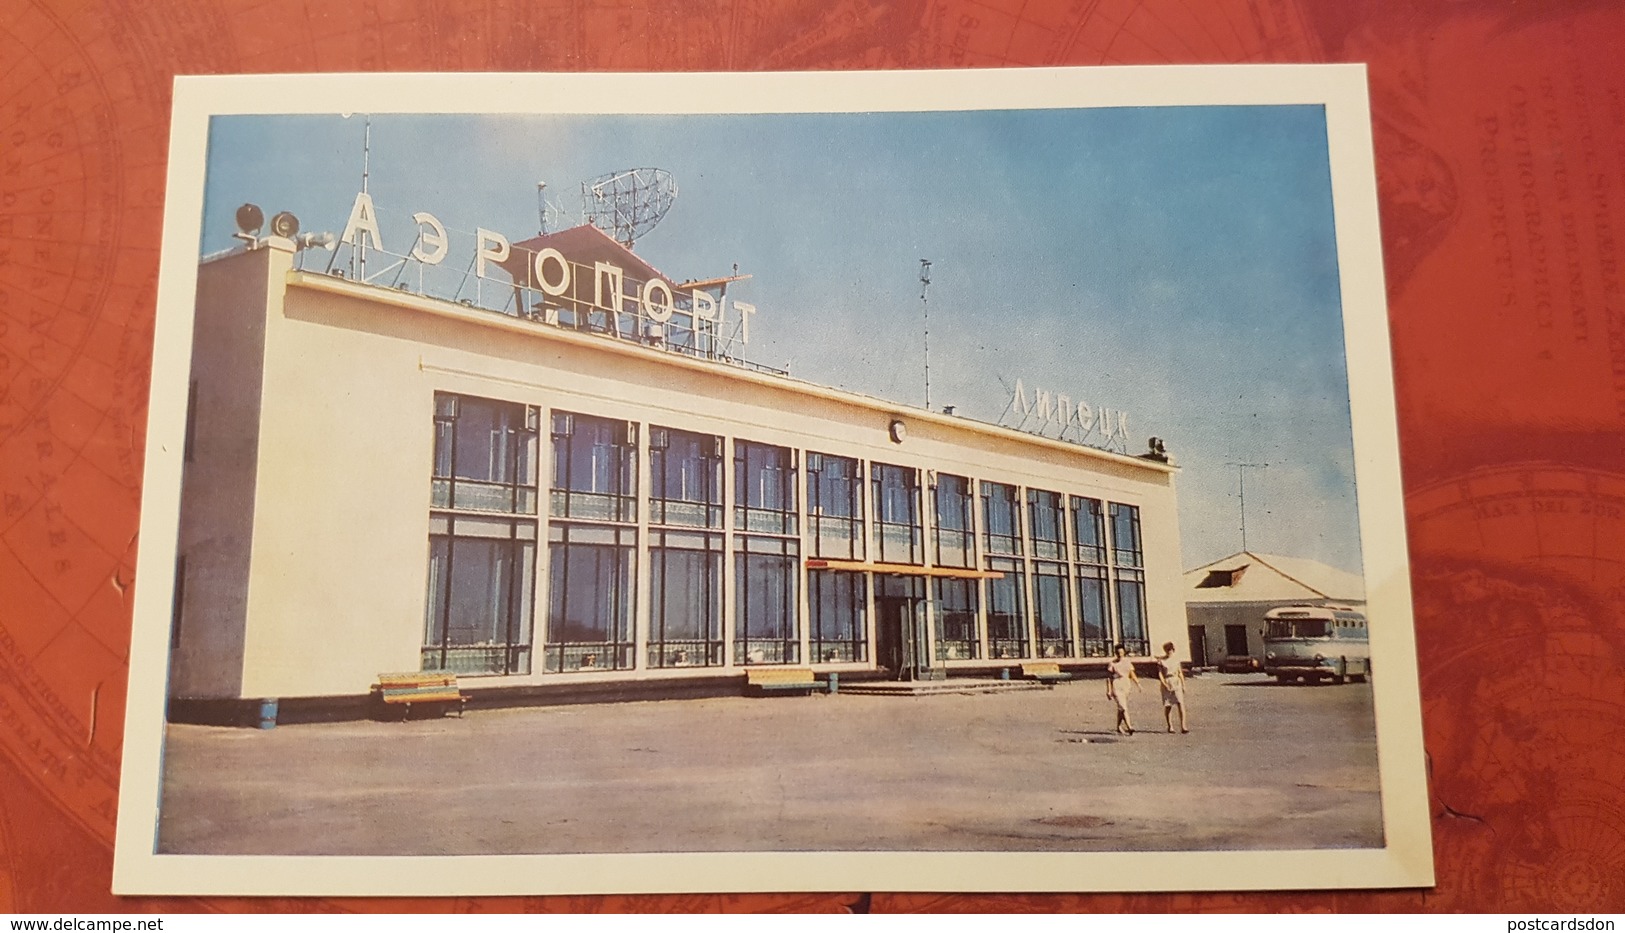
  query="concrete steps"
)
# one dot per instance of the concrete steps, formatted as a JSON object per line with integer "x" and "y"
{"x": 916, "y": 688}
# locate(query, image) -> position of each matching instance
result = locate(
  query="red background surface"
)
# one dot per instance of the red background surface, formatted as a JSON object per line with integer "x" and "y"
{"x": 1500, "y": 133}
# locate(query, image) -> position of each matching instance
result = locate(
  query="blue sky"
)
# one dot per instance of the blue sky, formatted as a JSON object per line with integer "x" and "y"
{"x": 1175, "y": 262}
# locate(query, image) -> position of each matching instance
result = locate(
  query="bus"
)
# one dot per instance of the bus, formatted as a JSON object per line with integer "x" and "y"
{"x": 1315, "y": 643}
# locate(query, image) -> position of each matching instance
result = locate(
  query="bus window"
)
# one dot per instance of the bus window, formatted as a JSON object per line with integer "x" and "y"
{"x": 1298, "y": 628}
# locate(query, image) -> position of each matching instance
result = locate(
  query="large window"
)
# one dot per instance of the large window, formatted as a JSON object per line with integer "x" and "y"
{"x": 589, "y": 624}
{"x": 1093, "y": 611}
{"x": 1001, "y": 512}
{"x": 478, "y": 607}
{"x": 955, "y": 522}
{"x": 1047, "y": 519}
{"x": 1126, "y": 551}
{"x": 1131, "y": 611}
{"x": 838, "y": 604}
{"x": 956, "y": 620}
{"x": 481, "y": 576}
{"x": 765, "y": 598}
{"x": 1088, "y": 531}
{"x": 685, "y": 595}
{"x": 594, "y": 468}
{"x": 897, "y": 514}
{"x": 484, "y": 455}
{"x": 835, "y": 506}
{"x": 1049, "y": 609}
{"x": 685, "y": 478}
{"x": 1128, "y": 580}
{"x": 1007, "y": 609}
{"x": 764, "y": 489}
{"x": 1093, "y": 592}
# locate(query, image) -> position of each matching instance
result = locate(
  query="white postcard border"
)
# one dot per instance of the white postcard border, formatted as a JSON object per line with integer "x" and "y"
{"x": 1405, "y": 860}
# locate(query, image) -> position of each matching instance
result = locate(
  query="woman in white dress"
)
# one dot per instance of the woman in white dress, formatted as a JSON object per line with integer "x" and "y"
{"x": 1172, "y": 678}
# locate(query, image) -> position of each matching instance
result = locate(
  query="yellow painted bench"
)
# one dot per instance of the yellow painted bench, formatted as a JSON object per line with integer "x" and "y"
{"x": 1047, "y": 671}
{"x": 760, "y": 681}
{"x": 422, "y": 687}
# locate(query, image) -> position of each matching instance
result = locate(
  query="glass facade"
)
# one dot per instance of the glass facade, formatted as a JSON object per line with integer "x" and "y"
{"x": 767, "y": 559}
{"x": 1094, "y": 595}
{"x": 835, "y": 506}
{"x": 957, "y": 637}
{"x": 1088, "y": 531}
{"x": 897, "y": 515}
{"x": 692, "y": 572}
{"x": 1126, "y": 550}
{"x": 589, "y": 618}
{"x": 484, "y": 456}
{"x": 685, "y": 595}
{"x": 1050, "y": 610}
{"x": 1001, "y": 512}
{"x": 1007, "y": 609}
{"x": 837, "y": 604}
{"x": 1128, "y": 578}
{"x": 594, "y": 469}
{"x": 1047, "y": 529}
{"x": 482, "y": 551}
{"x": 685, "y": 478}
{"x": 955, "y": 527}
{"x": 1131, "y": 618}
{"x": 481, "y": 577}
{"x": 764, "y": 489}
{"x": 765, "y": 599}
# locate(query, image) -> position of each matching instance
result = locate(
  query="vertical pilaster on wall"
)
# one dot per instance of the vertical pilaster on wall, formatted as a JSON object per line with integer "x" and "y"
{"x": 641, "y": 572}
{"x": 730, "y": 583}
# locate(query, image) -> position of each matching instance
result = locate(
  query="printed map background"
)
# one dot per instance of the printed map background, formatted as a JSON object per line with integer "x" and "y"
{"x": 1500, "y": 133}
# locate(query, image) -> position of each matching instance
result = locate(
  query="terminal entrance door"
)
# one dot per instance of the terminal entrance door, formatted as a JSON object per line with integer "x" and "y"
{"x": 901, "y": 643}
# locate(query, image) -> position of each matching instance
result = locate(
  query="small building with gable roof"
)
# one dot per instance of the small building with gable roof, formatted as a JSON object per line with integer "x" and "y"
{"x": 1225, "y": 602}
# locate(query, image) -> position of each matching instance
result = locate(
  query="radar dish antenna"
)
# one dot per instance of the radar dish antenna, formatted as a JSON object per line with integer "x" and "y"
{"x": 627, "y": 204}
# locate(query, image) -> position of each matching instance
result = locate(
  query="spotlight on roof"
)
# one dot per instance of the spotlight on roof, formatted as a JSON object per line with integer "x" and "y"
{"x": 1157, "y": 450}
{"x": 285, "y": 224}
{"x": 249, "y": 221}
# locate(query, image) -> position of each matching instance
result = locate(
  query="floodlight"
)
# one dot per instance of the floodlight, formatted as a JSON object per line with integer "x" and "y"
{"x": 249, "y": 220}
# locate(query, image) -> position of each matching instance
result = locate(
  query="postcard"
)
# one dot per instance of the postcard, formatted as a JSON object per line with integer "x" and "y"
{"x": 893, "y": 481}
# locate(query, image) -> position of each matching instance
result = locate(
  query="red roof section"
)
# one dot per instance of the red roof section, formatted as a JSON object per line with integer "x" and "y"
{"x": 585, "y": 245}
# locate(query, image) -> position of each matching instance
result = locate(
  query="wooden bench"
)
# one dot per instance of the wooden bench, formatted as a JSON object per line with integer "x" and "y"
{"x": 760, "y": 681}
{"x": 425, "y": 687}
{"x": 1047, "y": 671}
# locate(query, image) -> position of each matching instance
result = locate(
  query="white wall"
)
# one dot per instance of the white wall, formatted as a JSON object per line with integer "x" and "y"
{"x": 341, "y": 502}
{"x": 217, "y": 505}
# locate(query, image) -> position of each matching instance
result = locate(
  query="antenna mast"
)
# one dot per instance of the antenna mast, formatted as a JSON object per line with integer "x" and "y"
{"x": 1241, "y": 478}
{"x": 358, "y": 251}
{"x": 925, "y": 310}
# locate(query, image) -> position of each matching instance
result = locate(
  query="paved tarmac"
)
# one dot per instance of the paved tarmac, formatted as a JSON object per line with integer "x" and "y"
{"x": 1264, "y": 767}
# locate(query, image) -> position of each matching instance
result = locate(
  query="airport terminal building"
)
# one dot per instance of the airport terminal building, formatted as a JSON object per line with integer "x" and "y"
{"x": 555, "y": 491}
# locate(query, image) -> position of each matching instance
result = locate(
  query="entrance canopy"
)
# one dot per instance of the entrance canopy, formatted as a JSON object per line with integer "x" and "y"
{"x": 958, "y": 573}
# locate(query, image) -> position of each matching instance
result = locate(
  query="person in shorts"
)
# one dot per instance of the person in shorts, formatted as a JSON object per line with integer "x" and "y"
{"x": 1172, "y": 678}
{"x": 1119, "y": 674}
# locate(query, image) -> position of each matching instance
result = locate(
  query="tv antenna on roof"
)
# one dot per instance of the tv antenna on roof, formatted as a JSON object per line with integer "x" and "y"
{"x": 925, "y": 311}
{"x": 627, "y": 204}
{"x": 1241, "y": 478}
